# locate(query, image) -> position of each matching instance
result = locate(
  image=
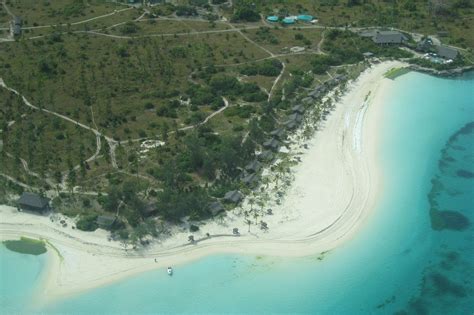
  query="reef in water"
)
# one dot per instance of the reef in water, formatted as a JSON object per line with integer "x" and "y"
{"x": 448, "y": 220}
{"x": 465, "y": 174}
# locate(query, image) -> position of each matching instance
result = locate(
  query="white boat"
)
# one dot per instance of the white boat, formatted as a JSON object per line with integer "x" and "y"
{"x": 170, "y": 271}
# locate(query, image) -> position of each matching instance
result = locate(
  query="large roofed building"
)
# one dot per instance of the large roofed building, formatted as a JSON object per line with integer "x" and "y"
{"x": 388, "y": 37}
{"x": 385, "y": 37}
{"x": 33, "y": 202}
{"x": 447, "y": 52}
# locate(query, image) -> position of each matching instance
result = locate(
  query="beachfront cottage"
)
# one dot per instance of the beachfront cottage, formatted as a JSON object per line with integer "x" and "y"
{"x": 298, "y": 109}
{"x": 216, "y": 207}
{"x": 307, "y": 100}
{"x": 278, "y": 133}
{"x": 318, "y": 91}
{"x": 106, "y": 222}
{"x": 253, "y": 166}
{"x": 33, "y": 202}
{"x": 233, "y": 196}
{"x": 340, "y": 78}
{"x": 446, "y": 52}
{"x": 291, "y": 124}
{"x": 266, "y": 156}
{"x": 272, "y": 144}
{"x": 250, "y": 179}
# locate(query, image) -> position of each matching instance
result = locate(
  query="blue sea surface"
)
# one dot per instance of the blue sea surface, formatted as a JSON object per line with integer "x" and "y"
{"x": 405, "y": 260}
{"x": 20, "y": 275}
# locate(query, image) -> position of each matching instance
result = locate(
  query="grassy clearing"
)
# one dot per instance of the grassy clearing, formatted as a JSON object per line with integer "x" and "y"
{"x": 152, "y": 26}
{"x": 44, "y": 12}
{"x": 26, "y": 245}
{"x": 281, "y": 39}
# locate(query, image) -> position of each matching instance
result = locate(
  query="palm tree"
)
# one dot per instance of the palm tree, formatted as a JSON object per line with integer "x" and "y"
{"x": 247, "y": 221}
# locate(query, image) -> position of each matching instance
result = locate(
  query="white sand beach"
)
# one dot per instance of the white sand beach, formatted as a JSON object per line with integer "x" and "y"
{"x": 334, "y": 191}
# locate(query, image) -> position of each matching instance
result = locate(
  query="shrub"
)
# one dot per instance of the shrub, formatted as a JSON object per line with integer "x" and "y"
{"x": 87, "y": 222}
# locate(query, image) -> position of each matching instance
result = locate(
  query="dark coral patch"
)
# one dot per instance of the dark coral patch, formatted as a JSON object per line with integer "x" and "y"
{"x": 444, "y": 286}
{"x": 465, "y": 174}
{"x": 449, "y": 220}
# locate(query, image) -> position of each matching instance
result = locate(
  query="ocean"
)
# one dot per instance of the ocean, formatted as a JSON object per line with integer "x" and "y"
{"x": 415, "y": 255}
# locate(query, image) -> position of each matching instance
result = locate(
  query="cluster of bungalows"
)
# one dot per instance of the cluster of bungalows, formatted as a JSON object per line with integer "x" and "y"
{"x": 289, "y": 20}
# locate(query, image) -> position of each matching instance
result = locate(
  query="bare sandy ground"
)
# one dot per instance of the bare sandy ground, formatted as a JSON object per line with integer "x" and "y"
{"x": 334, "y": 190}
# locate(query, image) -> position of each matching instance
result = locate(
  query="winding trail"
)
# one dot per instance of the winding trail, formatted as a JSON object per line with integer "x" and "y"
{"x": 276, "y": 81}
{"x": 112, "y": 143}
{"x": 78, "y": 22}
{"x": 7, "y": 9}
{"x": 220, "y": 110}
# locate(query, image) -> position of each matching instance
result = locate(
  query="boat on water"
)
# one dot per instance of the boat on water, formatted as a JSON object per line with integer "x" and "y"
{"x": 170, "y": 271}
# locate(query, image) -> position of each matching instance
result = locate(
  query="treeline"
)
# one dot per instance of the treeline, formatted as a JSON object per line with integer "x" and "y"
{"x": 269, "y": 68}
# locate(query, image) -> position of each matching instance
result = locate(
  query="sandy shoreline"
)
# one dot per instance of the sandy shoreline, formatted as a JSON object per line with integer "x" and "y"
{"x": 335, "y": 189}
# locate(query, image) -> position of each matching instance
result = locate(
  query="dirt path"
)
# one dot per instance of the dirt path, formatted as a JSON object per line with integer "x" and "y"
{"x": 7, "y": 9}
{"x": 226, "y": 102}
{"x": 112, "y": 143}
{"x": 276, "y": 81}
{"x": 78, "y": 22}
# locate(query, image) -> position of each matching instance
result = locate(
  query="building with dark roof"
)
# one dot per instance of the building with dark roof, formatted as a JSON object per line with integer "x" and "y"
{"x": 388, "y": 37}
{"x": 298, "y": 109}
{"x": 272, "y": 144}
{"x": 216, "y": 207}
{"x": 15, "y": 26}
{"x": 317, "y": 92}
{"x": 340, "y": 78}
{"x": 253, "y": 166}
{"x": 266, "y": 155}
{"x": 296, "y": 117}
{"x": 106, "y": 221}
{"x": 384, "y": 37}
{"x": 233, "y": 196}
{"x": 278, "y": 133}
{"x": 446, "y": 52}
{"x": 250, "y": 179}
{"x": 307, "y": 100}
{"x": 425, "y": 45}
{"x": 33, "y": 202}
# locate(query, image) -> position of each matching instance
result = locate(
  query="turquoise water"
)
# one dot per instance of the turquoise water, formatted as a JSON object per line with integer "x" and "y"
{"x": 19, "y": 278}
{"x": 397, "y": 263}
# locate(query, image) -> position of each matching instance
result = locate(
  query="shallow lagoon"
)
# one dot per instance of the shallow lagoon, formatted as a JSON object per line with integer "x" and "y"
{"x": 397, "y": 263}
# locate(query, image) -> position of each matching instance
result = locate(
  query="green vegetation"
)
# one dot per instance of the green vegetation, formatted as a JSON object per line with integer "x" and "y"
{"x": 396, "y": 72}
{"x": 87, "y": 222}
{"x": 151, "y": 119}
{"x": 26, "y": 245}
